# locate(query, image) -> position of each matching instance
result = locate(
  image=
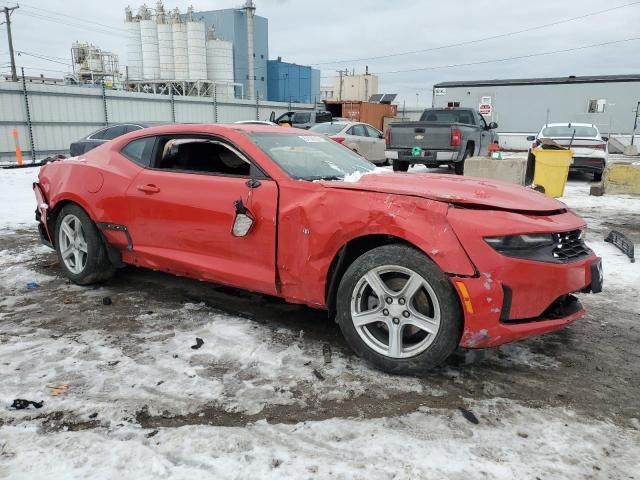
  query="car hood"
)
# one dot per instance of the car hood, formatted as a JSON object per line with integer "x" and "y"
{"x": 458, "y": 190}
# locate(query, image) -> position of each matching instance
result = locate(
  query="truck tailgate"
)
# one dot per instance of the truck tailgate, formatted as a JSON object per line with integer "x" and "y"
{"x": 428, "y": 136}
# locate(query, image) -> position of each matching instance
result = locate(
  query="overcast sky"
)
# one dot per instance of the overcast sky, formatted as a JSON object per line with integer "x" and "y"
{"x": 314, "y": 31}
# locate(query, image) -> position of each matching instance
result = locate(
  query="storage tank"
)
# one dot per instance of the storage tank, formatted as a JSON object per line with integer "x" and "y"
{"x": 220, "y": 65}
{"x": 165, "y": 43}
{"x": 180, "y": 52}
{"x": 149, "y": 39}
{"x": 197, "y": 57}
{"x": 134, "y": 45}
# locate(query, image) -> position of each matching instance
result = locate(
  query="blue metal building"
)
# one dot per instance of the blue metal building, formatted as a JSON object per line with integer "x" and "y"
{"x": 231, "y": 25}
{"x": 289, "y": 82}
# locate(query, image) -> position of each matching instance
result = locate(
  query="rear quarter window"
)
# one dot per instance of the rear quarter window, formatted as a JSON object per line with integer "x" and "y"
{"x": 139, "y": 150}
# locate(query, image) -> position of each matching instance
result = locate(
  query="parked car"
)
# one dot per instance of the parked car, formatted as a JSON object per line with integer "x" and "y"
{"x": 441, "y": 137}
{"x": 295, "y": 215}
{"x": 359, "y": 137}
{"x": 590, "y": 148}
{"x": 103, "y": 135}
{"x": 301, "y": 118}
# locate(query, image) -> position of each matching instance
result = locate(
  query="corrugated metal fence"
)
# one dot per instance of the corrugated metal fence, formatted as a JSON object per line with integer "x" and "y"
{"x": 48, "y": 117}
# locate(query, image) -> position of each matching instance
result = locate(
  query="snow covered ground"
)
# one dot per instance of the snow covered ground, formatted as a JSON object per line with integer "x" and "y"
{"x": 126, "y": 396}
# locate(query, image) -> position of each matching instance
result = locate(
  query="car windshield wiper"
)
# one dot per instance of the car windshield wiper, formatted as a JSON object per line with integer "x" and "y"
{"x": 323, "y": 177}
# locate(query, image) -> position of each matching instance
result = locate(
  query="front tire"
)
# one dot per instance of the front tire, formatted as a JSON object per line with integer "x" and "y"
{"x": 398, "y": 310}
{"x": 81, "y": 251}
{"x": 399, "y": 166}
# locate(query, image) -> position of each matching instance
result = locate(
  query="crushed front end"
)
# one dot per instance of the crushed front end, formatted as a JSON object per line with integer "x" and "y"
{"x": 529, "y": 265}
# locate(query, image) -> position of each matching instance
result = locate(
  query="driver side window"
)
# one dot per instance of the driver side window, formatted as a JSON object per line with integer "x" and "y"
{"x": 201, "y": 155}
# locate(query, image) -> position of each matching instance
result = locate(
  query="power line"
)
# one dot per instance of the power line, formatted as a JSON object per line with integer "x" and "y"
{"x": 71, "y": 24}
{"x": 469, "y": 42}
{"x": 506, "y": 59}
{"x": 43, "y": 57}
{"x": 66, "y": 16}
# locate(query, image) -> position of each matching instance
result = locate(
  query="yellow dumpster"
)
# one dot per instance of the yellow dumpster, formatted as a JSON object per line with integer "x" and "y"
{"x": 552, "y": 170}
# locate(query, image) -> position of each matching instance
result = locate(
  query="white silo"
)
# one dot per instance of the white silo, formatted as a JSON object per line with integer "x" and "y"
{"x": 220, "y": 65}
{"x": 196, "y": 46}
{"x": 165, "y": 43}
{"x": 150, "y": 52}
{"x": 180, "y": 52}
{"x": 134, "y": 46}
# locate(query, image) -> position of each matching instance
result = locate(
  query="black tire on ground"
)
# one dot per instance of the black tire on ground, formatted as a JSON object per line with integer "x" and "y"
{"x": 597, "y": 177}
{"x": 447, "y": 337}
{"x": 399, "y": 166}
{"x": 459, "y": 166}
{"x": 98, "y": 268}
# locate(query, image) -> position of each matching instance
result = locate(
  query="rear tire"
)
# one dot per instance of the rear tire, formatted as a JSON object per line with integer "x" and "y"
{"x": 597, "y": 177}
{"x": 459, "y": 166}
{"x": 81, "y": 251}
{"x": 398, "y": 310}
{"x": 399, "y": 166}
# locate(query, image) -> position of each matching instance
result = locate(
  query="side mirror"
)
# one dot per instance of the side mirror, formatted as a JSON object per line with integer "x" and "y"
{"x": 381, "y": 136}
{"x": 531, "y": 138}
{"x": 272, "y": 117}
{"x": 243, "y": 221}
{"x": 493, "y": 126}
{"x": 605, "y": 139}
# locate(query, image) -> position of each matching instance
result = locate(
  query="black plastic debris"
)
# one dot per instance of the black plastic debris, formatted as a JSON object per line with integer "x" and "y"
{"x": 318, "y": 375}
{"x": 21, "y": 404}
{"x": 199, "y": 343}
{"x": 622, "y": 242}
{"x": 469, "y": 415}
{"x": 106, "y": 301}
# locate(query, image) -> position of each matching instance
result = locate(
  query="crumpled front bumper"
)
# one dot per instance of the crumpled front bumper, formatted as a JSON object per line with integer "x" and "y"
{"x": 513, "y": 298}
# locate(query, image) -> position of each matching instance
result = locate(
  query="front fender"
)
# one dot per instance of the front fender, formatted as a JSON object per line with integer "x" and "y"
{"x": 315, "y": 225}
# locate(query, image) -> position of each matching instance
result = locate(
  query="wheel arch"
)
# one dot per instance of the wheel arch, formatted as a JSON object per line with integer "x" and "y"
{"x": 348, "y": 253}
{"x": 59, "y": 204}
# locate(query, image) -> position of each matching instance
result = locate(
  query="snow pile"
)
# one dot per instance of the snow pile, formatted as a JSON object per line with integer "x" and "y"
{"x": 17, "y": 202}
{"x": 509, "y": 442}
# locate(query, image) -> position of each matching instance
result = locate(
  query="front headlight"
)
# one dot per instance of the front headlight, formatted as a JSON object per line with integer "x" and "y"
{"x": 513, "y": 243}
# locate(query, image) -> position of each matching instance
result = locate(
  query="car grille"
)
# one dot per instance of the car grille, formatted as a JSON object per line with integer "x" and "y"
{"x": 569, "y": 246}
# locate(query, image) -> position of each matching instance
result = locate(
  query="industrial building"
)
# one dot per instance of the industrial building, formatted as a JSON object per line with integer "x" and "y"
{"x": 232, "y": 25}
{"x": 289, "y": 82}
{"x": 524, "y": 105}
{"x": 351, "y": 86}
{"x": 173, "y": 53}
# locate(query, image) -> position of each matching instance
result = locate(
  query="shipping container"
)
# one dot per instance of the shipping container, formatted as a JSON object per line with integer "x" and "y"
{"x": 366, "y": 112}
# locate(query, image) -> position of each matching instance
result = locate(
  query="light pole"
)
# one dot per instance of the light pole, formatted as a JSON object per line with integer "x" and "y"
{"x": 417, "y": 99}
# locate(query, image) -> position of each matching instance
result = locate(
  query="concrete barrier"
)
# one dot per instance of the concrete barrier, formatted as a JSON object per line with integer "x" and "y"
{"x": 507, "y": 169}
{"x": 622, "y": 178}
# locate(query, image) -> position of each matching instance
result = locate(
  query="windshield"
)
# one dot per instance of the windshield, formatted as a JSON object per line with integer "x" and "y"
{"x": 447, "y": 116}
{"x": 310, "y": 157}
{"x": 328, "y": 128}
{"x": 301, "y": 117}
{"x": 560, "y": 131}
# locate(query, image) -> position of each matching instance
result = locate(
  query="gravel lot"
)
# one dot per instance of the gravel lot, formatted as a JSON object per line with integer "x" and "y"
{"x": 274, "y": 392}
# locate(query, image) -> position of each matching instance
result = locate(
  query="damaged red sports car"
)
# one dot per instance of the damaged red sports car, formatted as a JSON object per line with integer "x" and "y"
{"x": 410, "y": 265}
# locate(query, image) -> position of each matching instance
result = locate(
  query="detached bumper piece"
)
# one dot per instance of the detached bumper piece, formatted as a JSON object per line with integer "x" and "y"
{"x": 623, "y": 243}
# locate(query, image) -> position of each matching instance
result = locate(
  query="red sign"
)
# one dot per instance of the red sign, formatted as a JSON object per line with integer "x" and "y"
{"x": 485, "y": 109}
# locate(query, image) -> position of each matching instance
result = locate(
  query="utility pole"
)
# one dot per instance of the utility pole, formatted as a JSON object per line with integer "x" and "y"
{"x": 340, "y": 72}
{"x": 635, "y": 123}
{"x": 7, "y": 16}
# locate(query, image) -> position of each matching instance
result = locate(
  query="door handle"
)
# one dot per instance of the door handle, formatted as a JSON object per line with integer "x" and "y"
{"x": 148, "y": 188}
{"x": 253, "y": 183}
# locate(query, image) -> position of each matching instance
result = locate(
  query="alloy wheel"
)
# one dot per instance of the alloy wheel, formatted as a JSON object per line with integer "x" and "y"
{"x": 395, "y": 311}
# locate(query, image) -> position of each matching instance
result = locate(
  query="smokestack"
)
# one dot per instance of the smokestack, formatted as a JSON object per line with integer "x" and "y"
{"x": 250, "y": 11}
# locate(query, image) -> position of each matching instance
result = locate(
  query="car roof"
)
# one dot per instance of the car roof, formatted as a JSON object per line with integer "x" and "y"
{"x": 566, "y": 124}
{"x": 214, "y": 128}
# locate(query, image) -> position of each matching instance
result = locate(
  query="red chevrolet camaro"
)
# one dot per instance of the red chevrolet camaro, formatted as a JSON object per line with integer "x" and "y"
{"x": 410, "y": 265}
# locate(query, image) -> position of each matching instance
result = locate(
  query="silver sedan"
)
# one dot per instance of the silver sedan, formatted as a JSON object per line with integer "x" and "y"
{"x": 362, "y": 138}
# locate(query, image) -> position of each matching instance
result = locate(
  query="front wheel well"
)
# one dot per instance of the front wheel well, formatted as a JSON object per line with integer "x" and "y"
{"x": 347, "y": 255}
{"x": 52, "y": 217}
